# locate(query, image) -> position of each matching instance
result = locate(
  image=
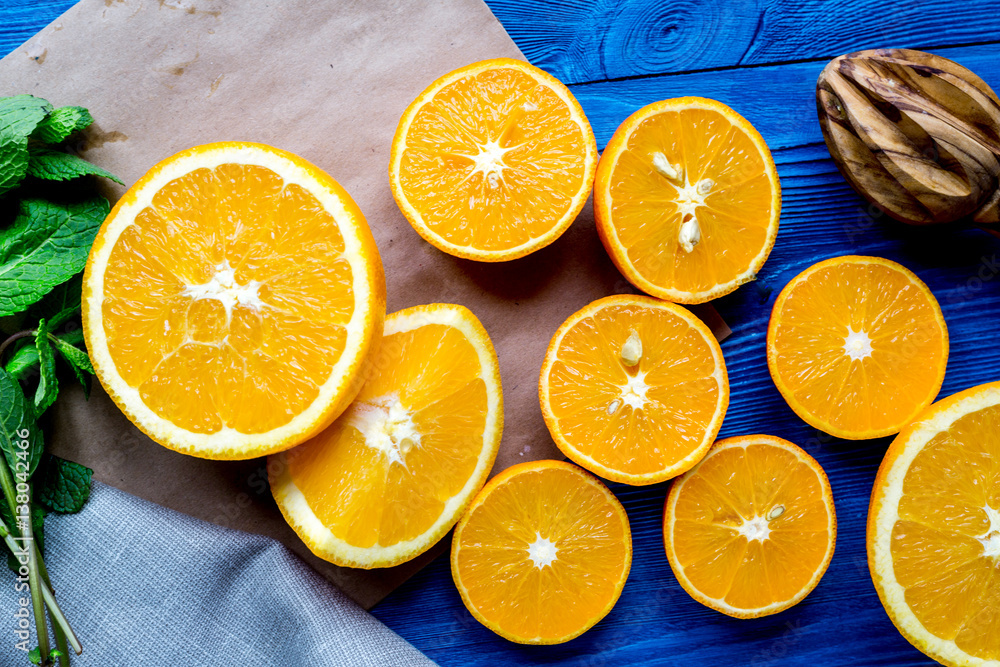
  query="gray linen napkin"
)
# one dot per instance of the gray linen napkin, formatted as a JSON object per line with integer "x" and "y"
{"x": 144, "y": 585}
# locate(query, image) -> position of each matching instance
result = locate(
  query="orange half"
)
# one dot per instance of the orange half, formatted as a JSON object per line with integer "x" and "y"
{"x": 934, "y": 529}
{"x": 857, "y": 346}
{"x": 230, "y": 300}
{"x": 393, "y": 474}
{"x": 493, "y": 161}
{"x": 542, "y": 554}
{"x": 687, "y": 199}
{"x": 751, "y": 529}
{"x": 634, "y": 389}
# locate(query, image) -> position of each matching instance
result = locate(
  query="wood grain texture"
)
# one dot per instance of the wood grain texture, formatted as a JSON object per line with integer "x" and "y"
{"x": 20, "y": 19}
{"x": 594, "y": 40}
{"x": 655, "y": 622}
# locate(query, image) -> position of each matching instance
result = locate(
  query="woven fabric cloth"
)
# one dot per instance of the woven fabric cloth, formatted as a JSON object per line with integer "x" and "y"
{"x": 143, "y": 585}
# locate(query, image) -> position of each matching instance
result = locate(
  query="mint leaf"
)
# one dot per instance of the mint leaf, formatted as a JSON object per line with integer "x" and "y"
{"x": 78, "y": 361}
{"x": 59, "y": 305}
{"x": 17, "y": 426}
{"x": 74, "y": 355}
{"x": 47, "y": 244}
{"x": 19, "y": 116}
{"x": 48, "y": 385}
{"x": 61, "y": 123}
{"x": 35, "y": 656}
{"x": 65, "y": 486}
{"x": 23, "y": 361}
{"x": 58, "y": 166}
{"x": 26, "y": 358}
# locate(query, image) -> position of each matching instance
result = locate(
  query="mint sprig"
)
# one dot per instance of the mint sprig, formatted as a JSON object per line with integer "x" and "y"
{"x": 19, "y": 116}
{"x": 47, "y": 245}
{"x": 42, "y": 252}
{"x": 61, "y": 123}
{"x": 57, "y": 166}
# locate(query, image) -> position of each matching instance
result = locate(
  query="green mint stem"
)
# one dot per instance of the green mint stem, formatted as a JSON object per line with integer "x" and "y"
{"x": 58, "y": 618}
{"x": 62, "y": 627}
{"x": 7, "y": 483}
{"x": 61, "y": 645}
{"x": 35, "y": 584}
{"x": 42, "y": 570}
{"x": 60, "y": 621}
{"x": 60, "y": 642}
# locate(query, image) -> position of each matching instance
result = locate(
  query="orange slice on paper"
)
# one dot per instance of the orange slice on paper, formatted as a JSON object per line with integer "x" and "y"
{"x": 230, "y": 299}
{"x": 857, "y": 346}
{"x": 751, "y": 529}
{"x": 934, "y": 529}
{"x": 687, "y": 199}
{"x": 634, "y": 389}
{"x": 493, "y": 161}
{"x": 542, "y": 554}
{"x": 393, "y": 474}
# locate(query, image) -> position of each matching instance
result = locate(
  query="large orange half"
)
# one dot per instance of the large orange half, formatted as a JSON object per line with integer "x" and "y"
{"x": 230, "y": 300}
{"x": 934, "y": 529}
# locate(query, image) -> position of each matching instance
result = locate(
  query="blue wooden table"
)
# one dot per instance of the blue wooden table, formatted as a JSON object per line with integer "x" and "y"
{"x": 761, "y": 57}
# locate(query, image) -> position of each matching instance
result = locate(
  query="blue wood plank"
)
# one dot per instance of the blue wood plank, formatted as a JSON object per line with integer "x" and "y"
{"x": 20, "y": 19}
{"x": 594, "y": 40}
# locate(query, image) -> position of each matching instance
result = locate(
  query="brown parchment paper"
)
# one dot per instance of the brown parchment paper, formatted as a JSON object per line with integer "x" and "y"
{"x": 328, "y": 81}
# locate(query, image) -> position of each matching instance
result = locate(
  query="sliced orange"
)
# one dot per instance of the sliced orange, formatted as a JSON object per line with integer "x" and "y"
{"x": 857, "y": 346}
{"x": 392, "y": 475}
{"x": 230, "y": 299}
{"x": 542, "y": 554}
{"x": 751, "y": 529}
{"x": 687, "y": 199}
{"x": 934, "y": 529}
{"x": 493, "y": 161}
{"x": 634, "y": 389}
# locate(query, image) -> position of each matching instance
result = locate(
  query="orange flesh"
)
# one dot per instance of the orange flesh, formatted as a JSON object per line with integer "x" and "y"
{"x": 381, "y": 490}
{"x": 909, "y": 346}
{"x": 544, "y": 153}
{"x": 945, "y": 548}
{"x": 736, "y": 485}
{"x": 734, "y": 219}
{"x": 257, "y": 367}
{"x": 592, "y": 554}
{"x": 588, "y": 376}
